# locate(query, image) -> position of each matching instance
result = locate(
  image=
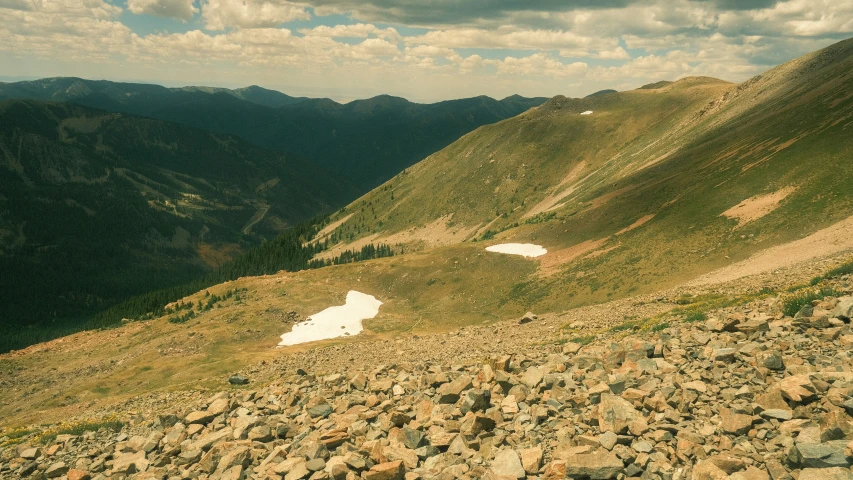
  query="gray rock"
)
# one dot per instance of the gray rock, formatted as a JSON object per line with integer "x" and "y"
{"x": 608, "y": 440}
{"x": 238, "y": 380}
{"x": 822, "y": 455}
{"x": 476, "y": 401}
{"x": 323, "y": 410}
{"x": 57, "y": 469}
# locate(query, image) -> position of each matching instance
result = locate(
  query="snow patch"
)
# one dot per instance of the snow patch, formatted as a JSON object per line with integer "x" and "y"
{"x": 588, "y": 112}
{"x": 523, "y": 249}
{"x": 333, "y": 322}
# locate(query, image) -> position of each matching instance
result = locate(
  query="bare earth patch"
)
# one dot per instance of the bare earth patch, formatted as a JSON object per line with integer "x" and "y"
{"x": 328, "y": 229}
{"x": 758, "y": 206}
{"x": 551, "y": 262}
{"x": 433, "y": 234}
{"x": 829, "y": 241}
{"x": 639, "y": 223}
{"x": 556, "y": 195}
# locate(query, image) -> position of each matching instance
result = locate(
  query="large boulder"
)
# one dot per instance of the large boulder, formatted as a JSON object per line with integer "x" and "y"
{"x": 507, "y": 463}
{"x": 615, "y": 414}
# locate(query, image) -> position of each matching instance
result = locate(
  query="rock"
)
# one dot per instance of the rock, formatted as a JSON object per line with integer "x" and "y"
{"x": 778, "y": 414}
{"x": 450, "y": 392}
{"x": 218, "y": 406}
{"x": 188, "y": 457}
{"x": 261, "y": 433}
{"x": 615, "y": 414}
{"x": 320, "y": 411}
{"x": 238, "y": 380}
{"x": 476, "y": 401}
{"x": 412, "y": 438}
{"x": 30, "y": 453}
{"x": 386, "y": 471}
{"x": 706, "y": 470}
{"x": 57, "y": 469}
{"x": 725, "y": 355}
{"x": 240, "y": 456}
{"x": 844, "y": 309}
{"x": 822, "y": 455}
{"x": 527, "y": 318}
{"x": 734, "y": 423}
{"x": 727, "y": 463}
{"x": 531, "y": 460}
{"x": 532, "y": 377}
{"x": 751, "y": 473}
{"x": 508, "y": 464}
{"x": 798, "y": 388}
{"x": 772, "y": 360}
{"x": 608, "y": 440}
{"x": 199, "y": 417}
{"x": 129, "y": 463}
{"x": 75, "y": 474}
{"x": 315, "y": 465}
{"x": 835, "y": 473}
{"x": 595, "y": 466}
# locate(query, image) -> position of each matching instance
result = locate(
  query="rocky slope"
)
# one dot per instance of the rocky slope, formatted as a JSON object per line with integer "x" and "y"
{"x": 746, "y": 393}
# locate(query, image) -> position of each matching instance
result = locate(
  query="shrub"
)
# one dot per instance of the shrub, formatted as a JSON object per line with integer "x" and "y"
{"x": 695, "y": 317}
{"x": 844, "y": 269}
{"x": 584, "y": 340}
{"x": 78, "y": 428}
{"x": 793, "y": 303}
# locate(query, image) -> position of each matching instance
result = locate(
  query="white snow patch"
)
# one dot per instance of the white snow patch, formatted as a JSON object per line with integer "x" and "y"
{"x": 588, "y": 112}
{"x": 524, "y": 249}
{"x": 333, "y": 322}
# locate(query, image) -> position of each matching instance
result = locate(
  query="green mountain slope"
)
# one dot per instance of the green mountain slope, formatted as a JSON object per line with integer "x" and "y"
{"x": 367, "y": 141}
{"x": 656, "y": 186}
{"x": 97, "y": 206}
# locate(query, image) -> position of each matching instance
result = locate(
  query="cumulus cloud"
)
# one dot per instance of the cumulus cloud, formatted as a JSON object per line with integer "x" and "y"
{"x": 358, "y": 30}
{"x": 508, "y": 38}
{"x": 540, "y": 64}
{"x": 179, "y": 9}
{"x": 223, "y": 14}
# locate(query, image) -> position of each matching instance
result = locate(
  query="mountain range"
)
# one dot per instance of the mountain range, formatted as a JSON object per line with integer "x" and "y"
{"x": 367, "y": 141}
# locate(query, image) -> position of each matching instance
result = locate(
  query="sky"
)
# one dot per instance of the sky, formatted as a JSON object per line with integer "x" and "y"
{"x": 424, "y": 50}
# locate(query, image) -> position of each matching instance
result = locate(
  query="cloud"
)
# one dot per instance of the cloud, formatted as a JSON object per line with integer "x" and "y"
{"x": 453, "y": 12}
{"x": 540, "y": 65}
{"x": 223, "y": 14}
{"x": 509, "y": 38}
{"x": 359, "y": 30}
{"x": 179, "y": 9}
{"x": 16, "y": 4}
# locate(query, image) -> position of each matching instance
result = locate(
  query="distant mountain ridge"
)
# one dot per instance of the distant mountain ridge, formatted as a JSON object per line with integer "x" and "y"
{"x": 369, "y": 141}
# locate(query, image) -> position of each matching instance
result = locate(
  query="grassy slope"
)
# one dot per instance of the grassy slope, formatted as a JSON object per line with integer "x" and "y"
{"x": 714, "y": 145}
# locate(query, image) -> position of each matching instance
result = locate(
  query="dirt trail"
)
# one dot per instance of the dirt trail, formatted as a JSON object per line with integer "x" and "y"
{"x": 257, "y": 217}
{"x": 832, "y": 240}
